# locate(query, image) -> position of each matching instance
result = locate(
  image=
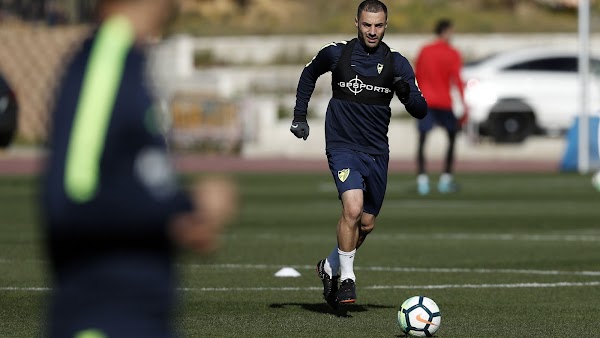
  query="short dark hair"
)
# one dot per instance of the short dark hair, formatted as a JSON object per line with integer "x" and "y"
{"x": 371, "y": 6}
{"x": 442, "y": 25}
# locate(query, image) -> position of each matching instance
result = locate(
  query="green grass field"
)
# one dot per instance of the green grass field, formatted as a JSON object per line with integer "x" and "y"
{"x": 511, "y": 255}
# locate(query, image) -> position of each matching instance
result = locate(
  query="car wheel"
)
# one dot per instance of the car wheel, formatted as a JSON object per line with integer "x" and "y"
{"x": 509, "y": 127}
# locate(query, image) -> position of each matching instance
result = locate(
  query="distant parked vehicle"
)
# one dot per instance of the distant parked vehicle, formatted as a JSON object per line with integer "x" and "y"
{"x": 8, "y": 113}
{"x": 515, "y": 94}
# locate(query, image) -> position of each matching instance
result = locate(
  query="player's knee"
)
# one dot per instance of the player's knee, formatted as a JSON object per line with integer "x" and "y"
{"x": 352, "y": 212}
{"x": 366, "y": 229}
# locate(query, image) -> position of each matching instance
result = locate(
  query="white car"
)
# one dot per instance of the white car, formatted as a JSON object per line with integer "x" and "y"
{"x": 515, "y": 94}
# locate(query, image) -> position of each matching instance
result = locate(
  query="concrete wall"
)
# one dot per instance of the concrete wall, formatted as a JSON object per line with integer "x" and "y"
{"x": 272, "y": 139}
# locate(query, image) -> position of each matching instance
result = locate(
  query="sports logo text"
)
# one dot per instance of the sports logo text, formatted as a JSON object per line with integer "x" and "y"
{"x": 356, "y": 86}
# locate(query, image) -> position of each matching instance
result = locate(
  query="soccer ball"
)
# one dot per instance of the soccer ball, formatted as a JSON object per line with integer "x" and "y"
{"x": 419, "y": 316}
{"x": 596, "y": 180}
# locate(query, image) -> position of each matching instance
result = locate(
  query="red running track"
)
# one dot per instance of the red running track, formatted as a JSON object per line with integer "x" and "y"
{"x": 33, "y": 165}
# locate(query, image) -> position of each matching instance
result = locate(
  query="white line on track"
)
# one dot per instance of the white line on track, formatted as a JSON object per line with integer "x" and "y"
{"x": 403, "y": 269}
{"x": 371, "y": 287}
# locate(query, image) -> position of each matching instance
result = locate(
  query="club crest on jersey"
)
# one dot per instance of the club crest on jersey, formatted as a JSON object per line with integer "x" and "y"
{"x": 343, "y": 174}
{"x": 379, "y": 68}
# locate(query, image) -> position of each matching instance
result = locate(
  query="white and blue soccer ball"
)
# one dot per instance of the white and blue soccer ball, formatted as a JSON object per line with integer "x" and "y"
{"x": 596, "y": 180}
{"x": 419, "y": 316}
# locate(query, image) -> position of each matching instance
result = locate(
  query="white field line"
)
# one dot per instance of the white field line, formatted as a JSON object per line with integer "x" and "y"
{"x": 393, "y": 269}
{"x": 446, "y": 236}
{"x": 403, "y": 269}
{"x": 373, "y": 268}
{"x": 486, "y": 286}
{"x": 15, "y": 288}
{"x": 502, "y": 237}
{"x": 370, "y": 287}
{"x": 411, "y": 287}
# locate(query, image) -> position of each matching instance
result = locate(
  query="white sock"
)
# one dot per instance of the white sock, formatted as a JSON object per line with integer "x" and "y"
{"x": 423, "y": 179}
{"x": 332, "y": 263}
{"x": 445, "y": 178}
{"x": 347, "y": 264}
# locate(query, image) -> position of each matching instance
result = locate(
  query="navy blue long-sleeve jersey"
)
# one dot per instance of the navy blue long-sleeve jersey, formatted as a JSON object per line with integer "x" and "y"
{"x": 108, "y": 194}
{"x": 352, "y": 124}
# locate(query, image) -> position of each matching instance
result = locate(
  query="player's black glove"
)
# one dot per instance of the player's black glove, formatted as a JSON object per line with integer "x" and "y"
{"x": 402, "y": 89}
{"x": 300, "y": 129}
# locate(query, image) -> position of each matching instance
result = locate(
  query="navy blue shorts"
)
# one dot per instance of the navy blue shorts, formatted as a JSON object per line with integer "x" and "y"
{"x": 355, "y": 170}
{"x": 440, "y": 117}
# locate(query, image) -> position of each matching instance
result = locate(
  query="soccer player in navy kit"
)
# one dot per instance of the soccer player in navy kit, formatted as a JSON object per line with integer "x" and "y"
{"x": 112, "y": 211}
{"x": 365, "y": 75}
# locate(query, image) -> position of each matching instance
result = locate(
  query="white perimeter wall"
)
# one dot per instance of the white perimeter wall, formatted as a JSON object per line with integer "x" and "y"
{"x": 267, "y": 136}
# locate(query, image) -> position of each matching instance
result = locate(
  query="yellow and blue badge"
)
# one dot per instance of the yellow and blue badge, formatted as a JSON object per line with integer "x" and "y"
{"x": 343, "y": 174}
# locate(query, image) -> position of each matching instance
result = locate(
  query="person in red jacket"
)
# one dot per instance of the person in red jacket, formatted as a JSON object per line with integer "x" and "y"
{"x": 438, "y": 68}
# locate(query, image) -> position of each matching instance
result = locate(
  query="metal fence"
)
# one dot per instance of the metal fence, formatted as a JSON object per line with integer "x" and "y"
{"x": 50, "y": 12}
{"x": 31, "y": 59}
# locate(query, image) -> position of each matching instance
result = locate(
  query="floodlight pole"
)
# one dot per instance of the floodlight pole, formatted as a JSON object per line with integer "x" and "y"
{"x": 583, "y": 162}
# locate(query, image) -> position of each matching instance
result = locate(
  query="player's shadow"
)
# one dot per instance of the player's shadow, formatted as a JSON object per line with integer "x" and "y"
{"x": 344, "y": 311}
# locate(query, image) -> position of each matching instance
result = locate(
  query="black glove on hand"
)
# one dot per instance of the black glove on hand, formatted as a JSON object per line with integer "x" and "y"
{"x": 402, "y": 89}
{"x": 300, "y": 129}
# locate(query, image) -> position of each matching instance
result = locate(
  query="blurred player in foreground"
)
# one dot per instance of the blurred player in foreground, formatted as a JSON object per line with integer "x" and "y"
{"x": 366, "y": 74}
{"x": 112, "y": 210}
{"x": 438, "y": 69}
{"x": 9, "y": 109}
